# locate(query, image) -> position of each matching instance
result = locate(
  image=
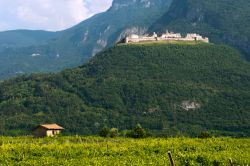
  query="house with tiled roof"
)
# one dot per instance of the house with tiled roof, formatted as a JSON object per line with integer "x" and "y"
{"x": 47, "y": 130}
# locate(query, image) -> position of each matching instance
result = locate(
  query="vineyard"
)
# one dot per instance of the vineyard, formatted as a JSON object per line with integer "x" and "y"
{"x": 76, "y": 150}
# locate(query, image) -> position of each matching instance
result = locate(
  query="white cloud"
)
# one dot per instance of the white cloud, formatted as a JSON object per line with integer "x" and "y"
{"x": 48, "y": 14}
{"x": 25, "y": 13}
{"x": 97, "y": 5}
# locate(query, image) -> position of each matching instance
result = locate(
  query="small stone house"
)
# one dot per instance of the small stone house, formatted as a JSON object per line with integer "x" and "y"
{"x": 47, "y": 130}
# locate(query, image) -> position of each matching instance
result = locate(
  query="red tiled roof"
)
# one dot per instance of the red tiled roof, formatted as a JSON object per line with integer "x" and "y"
{"x": 51, "y": 126}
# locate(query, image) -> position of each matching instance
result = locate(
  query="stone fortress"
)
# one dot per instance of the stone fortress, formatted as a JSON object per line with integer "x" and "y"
{"x": 168, "y": 36}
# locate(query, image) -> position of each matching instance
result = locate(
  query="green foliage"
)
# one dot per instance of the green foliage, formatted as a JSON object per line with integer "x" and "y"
{"x": 131, "y": 84}
{"x": 205, "y": 134}
{"x": 105, "y": 131}
{"x": 77, "y": 150}
{"x": 137, "y": 132}
{"x": 113, "y": 132}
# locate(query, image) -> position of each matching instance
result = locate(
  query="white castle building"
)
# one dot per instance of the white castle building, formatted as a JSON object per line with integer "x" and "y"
{"x": 168, "y": 36}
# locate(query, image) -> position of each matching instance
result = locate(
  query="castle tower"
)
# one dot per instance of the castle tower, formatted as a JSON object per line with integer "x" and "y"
{"x": 126, "y": 40}
{"x": 155, "y": 35}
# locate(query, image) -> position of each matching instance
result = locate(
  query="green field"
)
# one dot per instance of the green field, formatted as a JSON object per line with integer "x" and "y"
{"x": 78, "y": 150}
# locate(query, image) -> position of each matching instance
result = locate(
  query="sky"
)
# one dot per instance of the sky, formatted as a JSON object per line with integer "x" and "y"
{"x": 52, "y": 15}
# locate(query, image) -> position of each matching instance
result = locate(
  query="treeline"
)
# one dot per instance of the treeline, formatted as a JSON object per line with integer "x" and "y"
{"x": 137, "y": 132}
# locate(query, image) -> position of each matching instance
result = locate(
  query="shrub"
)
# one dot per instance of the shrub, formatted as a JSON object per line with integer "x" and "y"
{"x": 105, "y": 131}
{"x": 205, "y": 135}
{"x": 137, "y": 132}
{"x": 113, "y": 132}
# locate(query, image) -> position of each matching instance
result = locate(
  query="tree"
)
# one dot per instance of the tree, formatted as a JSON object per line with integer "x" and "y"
{"x": 105, "y": 131}
{"x": 205, "y": 134}
{"x": 113, "y": 132}
{"x": 138, "y": 132}
{"x": 1, "y": 94}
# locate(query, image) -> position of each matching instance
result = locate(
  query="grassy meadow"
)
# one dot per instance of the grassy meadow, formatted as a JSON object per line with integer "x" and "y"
{"x": 77, "y": 150}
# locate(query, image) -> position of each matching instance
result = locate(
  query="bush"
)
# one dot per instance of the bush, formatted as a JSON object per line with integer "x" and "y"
{"x": 137, "y": 132}
{"x": 205, "y": 135}
{"x": 105, "y": 131}
{"x": 113, "y": 132}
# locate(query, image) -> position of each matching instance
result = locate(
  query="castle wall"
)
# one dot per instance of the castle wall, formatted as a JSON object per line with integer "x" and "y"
{"x": 165, "y": 37}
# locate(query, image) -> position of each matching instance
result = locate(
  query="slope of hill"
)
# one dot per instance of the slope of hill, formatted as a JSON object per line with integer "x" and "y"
{"x": 24, "y": 38}
{"x": 76, "y": 45}
{"x": 153, "y": 84}
{"x": 224, "y": 21}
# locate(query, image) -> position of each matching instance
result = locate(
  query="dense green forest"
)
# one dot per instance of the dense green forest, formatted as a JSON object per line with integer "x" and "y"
{"x": 137, "y": 83}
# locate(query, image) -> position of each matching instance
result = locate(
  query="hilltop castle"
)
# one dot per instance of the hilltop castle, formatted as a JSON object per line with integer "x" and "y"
{"x": 168, "y": 36}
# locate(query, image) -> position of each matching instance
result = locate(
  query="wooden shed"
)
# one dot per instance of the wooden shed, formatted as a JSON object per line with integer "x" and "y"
{"x": 47, "y": 130}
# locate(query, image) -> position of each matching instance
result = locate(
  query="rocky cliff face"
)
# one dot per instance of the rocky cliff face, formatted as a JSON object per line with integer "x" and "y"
{"x": 124, "y": 17}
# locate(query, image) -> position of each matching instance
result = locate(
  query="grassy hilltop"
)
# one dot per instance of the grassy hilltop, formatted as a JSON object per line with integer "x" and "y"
{"x": 138, "y": 83}
{"x": 77, "y": 150}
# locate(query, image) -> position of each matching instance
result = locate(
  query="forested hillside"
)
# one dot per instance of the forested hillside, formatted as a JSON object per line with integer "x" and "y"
{"x": 223, "y": 21}
{"x": 149, "y": 84}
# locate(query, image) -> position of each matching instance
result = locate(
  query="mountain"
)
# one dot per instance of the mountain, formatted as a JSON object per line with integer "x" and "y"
{"x": 74, "y": 46}
{"x": 21, "y": 52}
{"x": 223, "y": 21}
{"x": 175, "y": 88}
{"x": 24, "y": 38}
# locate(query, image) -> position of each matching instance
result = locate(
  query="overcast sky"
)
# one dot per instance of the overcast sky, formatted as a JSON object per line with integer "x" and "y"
{"x": 50, "y": 15}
